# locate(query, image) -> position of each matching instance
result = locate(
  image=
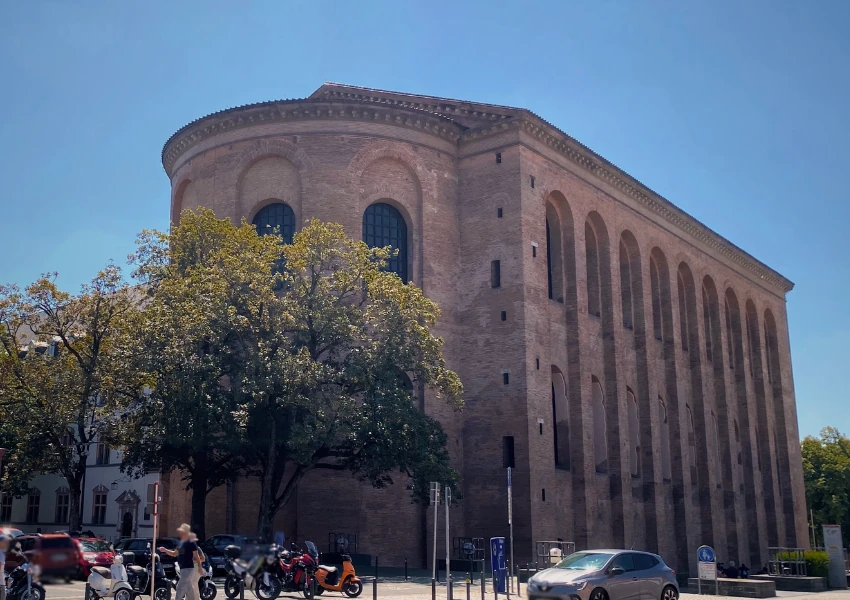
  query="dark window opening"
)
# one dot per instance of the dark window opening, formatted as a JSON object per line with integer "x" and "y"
{"x": 506, "y": 378}
{"x": 538, "y": 363}
{"x": 495, "y": 274}
{"x": 534, "y": 252}
{"x": 709, "y": 330}
{"x": 730, "y": 348}
{"x": 498, "y": 158}
{"x": 383, "y": 226}
{"x": 541, "y": 428}
{"x": 508, "y": 459}
{"x": 549, "y": 258}
{"x": 543, "y": 494}
{"x": 499, "y": 213}
{"x": 276, "y": 218}
{"x": 683, "y": 312}
{"x": 655, "y": 286}
{"x": 504, "y": 315}
{"x": 594, "y": 292}
{"x": 532, "y": 181}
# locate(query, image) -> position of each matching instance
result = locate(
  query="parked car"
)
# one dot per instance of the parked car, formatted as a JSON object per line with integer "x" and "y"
{"x": 55, "y": 554}
{"x": 78, "y": 534}
{"x": 93, "y": 553}
{"x": 247, "y": 543}
{"x": 11, "y": 531}
{"x": 216, "y": 558}
{"x": 606, "y": 575}
{"x": 141, "y": 551}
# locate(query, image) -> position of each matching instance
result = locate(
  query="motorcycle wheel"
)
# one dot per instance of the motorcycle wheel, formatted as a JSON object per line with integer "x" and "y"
{"x": 123, "y": 595}
{"x": 352, "y": 589}
{"x": 231, "y": 587}
{"x": 270, "y": 591}
{"x": 36, "y": 592}
{"x": 208, "y": 591}
{"x": 162, "y": 593}
{"x": 319, "y": 590}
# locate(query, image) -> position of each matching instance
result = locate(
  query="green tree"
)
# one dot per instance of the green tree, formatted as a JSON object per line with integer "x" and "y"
{"x": 826, "y": 471}
{"x": 63, "y": 372}
{"x": 327, "y": 368}
{"x": 198, "y": 279}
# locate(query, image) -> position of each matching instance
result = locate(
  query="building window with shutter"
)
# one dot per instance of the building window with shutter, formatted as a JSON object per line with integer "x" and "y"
{"x": 98, "y": 516}
{"x": 33, "y": 506}
{"x": 63, "y": 503}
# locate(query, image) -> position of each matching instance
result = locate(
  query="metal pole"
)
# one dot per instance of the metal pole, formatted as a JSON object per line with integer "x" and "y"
{"x": 434, "y": 566}
{"x": 375, "y": 589}
{"x": 468, "y": 582}
{"x": 405, "y": 569}
{"x": 433, "y": 589}
{"x": 483, "y": 580}
{"x": 153, "y": 547}
{"x": 511, "y": 525}
{"x": 448, "y": 501}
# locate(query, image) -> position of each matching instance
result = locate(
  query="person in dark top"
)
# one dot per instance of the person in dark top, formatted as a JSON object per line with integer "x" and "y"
{"x": 189, "y": 561}
{"x": 745, "y": 571}
{"x": 731, "y": 571}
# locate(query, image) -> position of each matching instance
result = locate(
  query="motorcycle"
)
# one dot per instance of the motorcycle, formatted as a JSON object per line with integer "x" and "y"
{"x": 140, "y": 579}
{"x": 112, "y": 582}
{"x": 253, "y": 575}
{"x": 21, "y": 583}
{"x": 330, "y": 579}
{"x": 206, "y": 587}
{"x": 299, "y": 572}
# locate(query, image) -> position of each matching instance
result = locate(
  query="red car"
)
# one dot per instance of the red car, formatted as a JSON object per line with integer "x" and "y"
{"x": 56, "y": 554}
{"x": 93, "y": 553}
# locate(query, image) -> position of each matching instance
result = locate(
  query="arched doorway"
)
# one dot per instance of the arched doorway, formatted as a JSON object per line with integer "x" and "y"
{"x": 127, "y": 525}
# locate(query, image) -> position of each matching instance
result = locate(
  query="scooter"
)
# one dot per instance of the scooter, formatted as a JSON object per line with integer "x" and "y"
{"x": 112, "y": 582}
{"x": 21, "y": 585}
{"x": 140, "y": 579}
{"x": 251, "y": 575}
{"x": 206, "y": 587}
{"x": 330, "y": 579}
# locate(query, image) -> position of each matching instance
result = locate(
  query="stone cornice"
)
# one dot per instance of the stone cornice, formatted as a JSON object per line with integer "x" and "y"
{"x": 606, "y": 171}
{"x": 294, "y": 110}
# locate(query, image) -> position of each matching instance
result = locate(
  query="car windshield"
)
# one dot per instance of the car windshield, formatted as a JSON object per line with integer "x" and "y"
{"x": 57, "y": 542}
{"x": 96, "y": 546}
{"x": 585, "y": 561}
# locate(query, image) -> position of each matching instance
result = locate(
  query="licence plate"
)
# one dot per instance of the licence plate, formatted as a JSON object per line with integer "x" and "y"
{"x": 59, "y": 557}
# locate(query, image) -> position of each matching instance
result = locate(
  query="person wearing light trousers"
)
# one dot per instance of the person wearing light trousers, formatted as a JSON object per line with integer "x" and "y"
{"x": 189, "y": 561}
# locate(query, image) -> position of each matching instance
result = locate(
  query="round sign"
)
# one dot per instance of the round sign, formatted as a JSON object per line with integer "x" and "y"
{"x": 468, "y": 548}
{"x": 706, "y": 554}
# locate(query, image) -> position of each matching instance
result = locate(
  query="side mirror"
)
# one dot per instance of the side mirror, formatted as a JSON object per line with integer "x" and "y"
{"x": 616, "y": 571}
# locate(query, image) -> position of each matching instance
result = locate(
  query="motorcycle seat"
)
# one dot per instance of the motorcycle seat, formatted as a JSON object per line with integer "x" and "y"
{"x": 103, "y": 572}
{"x": 136, "y": 569}
{"x": 328, "y": 569}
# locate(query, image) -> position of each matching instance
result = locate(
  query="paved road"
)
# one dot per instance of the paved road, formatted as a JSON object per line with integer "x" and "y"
{"x": 397, "y": 588}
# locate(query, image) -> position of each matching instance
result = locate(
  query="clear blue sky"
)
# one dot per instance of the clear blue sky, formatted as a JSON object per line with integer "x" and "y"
{"x": 736, "y": 111}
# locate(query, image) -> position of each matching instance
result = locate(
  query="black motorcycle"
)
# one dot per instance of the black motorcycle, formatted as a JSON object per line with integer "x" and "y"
{"x": 21, "y": 584}
{"x": 139, "y": 579}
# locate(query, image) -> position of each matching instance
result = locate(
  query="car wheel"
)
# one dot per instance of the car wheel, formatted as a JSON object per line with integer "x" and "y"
{"x": 599, "y": 594}
{"x": 670, "y": 593}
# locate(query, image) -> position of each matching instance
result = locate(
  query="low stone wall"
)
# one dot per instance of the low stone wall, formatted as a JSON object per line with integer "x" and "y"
{"x": 745, "y": 588}
{"x": 795, "y": 584}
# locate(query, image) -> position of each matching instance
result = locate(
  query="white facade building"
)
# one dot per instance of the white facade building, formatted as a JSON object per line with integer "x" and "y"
{"x": 114, "y": 505}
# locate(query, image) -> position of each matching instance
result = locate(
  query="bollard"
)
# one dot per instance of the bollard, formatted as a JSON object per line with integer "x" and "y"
{"x": 87, "y": 596}
{"x": 241, "y": 589}
{"x": 405, "y": 569}
{"x": 468, "y": 583}
{"x": 509, "y": 584}
{"x": 433, "y": 589}
{"x": 375, "y": 589}
{"x": 449, "y": 584}
{"x": 376, "y": 568}
{"x": 483, "y": 581}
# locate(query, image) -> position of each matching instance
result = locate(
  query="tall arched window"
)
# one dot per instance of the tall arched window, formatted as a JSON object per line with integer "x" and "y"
{"x": 738, "y": 443}
{"x": 683, "y": 311}
{"x": 594, "y": 293}
{"x": 384, "y": 226}
{"x": 600, "y": 432}
{"x": 554, "y": 253}
{"x": 560, "y": 419}
{"x": 655, "y": 287}
{"x": 626, "y": 286}
{"x": 277, "y": 216}
{"x": 692, "y": 442}
{"x": 718, "y": 464}
{"x": 707, "y": 325}
{"x": 666, "y": 470}
{"x": 730, "y": 344}
{"x": 634, "y": 434}
{"x": 549, "y": 257}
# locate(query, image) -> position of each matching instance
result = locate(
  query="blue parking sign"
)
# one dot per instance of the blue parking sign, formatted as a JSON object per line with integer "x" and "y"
{"x": 497, "y": 562}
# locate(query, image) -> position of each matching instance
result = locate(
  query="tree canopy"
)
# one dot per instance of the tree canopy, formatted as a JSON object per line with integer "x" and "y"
{"x": 826, "y": 471}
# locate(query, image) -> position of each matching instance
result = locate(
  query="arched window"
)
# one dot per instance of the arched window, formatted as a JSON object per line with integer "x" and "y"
{"x": 707, "y": 325}
{"x": 594, "y": 293}
{"x": 626, "y": 286}
{"x": 655, "y": 286}
{"x": 683, "y": 311}
{"x": 549, "y": 257}
{"x": 666, "y": 471}
{"x": 692, "y": 442}
{"x": 718, "y": 464}
{"x": 600, "y": 433}
{"x": 279, "y": 217}
{"x": 738, "y": 443}
{"x": 730, "y": 345}
{"x": 560, "y": 419}
{"x": 384, "y": 226}
{"x": 750, "y": 338}
{"x": 634, "y": 434}
{"x": 769, "y": 351}
{"x": 554, "y": 253}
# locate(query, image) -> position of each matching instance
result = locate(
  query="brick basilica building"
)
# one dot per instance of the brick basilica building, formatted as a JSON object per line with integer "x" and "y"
{"x": 636, "y": 363}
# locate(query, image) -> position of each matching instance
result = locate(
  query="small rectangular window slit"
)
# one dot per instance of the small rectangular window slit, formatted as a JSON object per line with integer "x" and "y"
{"x": 499, "y": 212}
{"x": 495, "y": 274}
{"x": 532, "y": 181}
{"x": 543, "y": 494}
{"x": 538, "y": 363}
{"x": 506, "y": 378}
{"x": 504, "y": 315}
{"x": 498, "y": 158}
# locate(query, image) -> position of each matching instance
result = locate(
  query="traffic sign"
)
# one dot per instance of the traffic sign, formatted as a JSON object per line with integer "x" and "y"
{"x": 706, "y": 554}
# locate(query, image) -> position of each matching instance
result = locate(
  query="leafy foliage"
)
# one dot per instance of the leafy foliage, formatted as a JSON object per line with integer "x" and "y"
{"x": 826, "y": 471}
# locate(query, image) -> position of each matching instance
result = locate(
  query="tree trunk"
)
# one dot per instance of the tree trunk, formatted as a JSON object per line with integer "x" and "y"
{"x": 74, "y": 508}
{"x": 265, "y": 519}
{"x": 200, "y": 481}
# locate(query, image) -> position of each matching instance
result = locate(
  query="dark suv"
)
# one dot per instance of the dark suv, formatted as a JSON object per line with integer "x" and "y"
{"x": 140, "y": 547}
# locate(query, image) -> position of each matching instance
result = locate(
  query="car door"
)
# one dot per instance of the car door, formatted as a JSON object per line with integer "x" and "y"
{"x": 648, "y": 571}
{"x": 625, "y": 585}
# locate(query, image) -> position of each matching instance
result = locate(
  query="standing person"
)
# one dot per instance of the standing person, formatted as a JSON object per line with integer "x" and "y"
{"x": 189, "y": 561}
{"x": 4, "y": 546}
